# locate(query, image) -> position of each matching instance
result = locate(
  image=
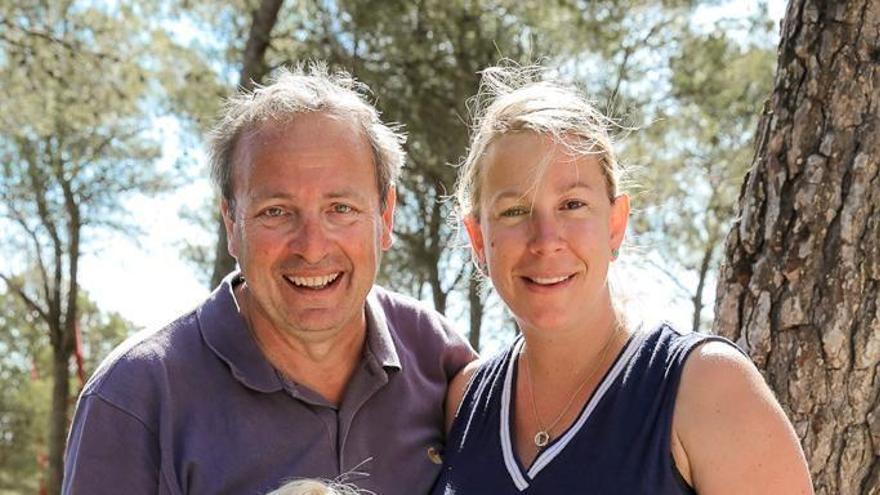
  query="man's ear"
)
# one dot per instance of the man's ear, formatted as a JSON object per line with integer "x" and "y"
{"x": 475, "y": 234}
{"x": 618, "y": 221}
{"x": 388, "y": 219}
{"x": 227, "y": 211}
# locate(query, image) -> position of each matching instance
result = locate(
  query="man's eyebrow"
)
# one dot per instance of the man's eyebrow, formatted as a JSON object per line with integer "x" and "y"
{"x": 345, "y": 193}
{"x": 269, "y": 194}
{"x": 340, "y": 193}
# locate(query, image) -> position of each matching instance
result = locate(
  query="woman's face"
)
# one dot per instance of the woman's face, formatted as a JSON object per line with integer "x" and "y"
{"x": 546, "y": 230}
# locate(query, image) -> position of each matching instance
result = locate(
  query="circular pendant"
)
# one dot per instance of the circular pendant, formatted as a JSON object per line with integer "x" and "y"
{"x": 541, "y": 439}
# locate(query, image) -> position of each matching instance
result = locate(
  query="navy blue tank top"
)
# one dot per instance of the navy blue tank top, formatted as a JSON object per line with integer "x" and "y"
{"x": 619, "y": 444}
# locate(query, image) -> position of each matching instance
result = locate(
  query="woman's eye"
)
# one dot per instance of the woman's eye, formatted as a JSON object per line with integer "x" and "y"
{"x": 514, "y": 212}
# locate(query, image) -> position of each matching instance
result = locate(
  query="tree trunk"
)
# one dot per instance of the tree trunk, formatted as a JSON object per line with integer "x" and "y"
{"x": 58, "y": 418}
{"x": 263, "y": 20}
{"x": 800, "y": 286}
{"x": 697, "y": 300}
{"x": 435, "y": 241}
{"x": 253, "y": 69}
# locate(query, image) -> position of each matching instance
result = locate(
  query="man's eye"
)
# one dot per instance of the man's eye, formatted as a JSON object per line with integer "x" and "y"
{"x": 342, "y": 208}
{"x": 573, "y": 204}
{"x": 273, "y": 212}
{"x": 514, "y": 212}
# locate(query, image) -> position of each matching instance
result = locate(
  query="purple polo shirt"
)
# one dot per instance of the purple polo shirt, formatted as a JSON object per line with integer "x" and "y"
{"x": 196, "y": 408}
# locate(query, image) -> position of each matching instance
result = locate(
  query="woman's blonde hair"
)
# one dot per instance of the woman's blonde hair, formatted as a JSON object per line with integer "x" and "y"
{"x": 514, "y": 99}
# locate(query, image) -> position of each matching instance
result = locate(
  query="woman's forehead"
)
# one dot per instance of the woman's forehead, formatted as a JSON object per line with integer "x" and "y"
{"x": 523, "y": 161}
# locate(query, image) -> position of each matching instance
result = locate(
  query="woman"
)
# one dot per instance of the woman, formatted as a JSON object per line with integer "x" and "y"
{"x": 583, "y": 402}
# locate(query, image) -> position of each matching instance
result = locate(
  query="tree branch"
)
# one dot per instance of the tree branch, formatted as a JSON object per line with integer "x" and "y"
{"x": 73, "y": 49}
{"x": 19, "y": 218}
{"x": 19, "y": 291}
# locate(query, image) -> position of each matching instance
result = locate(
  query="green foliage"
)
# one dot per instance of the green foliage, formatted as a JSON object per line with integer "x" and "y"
{"x": 76, "y": 81}
{"x": 25, "y": 384}
{"x": 74, "y": 85}
{"x": 80, "y": 83}
{"x": 23, "y": 401}
{"x": 697, "y": 151}
{"x": 694, "y": 95}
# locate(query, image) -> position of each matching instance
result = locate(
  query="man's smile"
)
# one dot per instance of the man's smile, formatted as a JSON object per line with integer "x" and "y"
{"x": 313, "y": 282}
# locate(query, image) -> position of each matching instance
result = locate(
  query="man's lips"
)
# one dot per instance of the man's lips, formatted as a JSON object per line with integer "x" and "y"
{"x": 317, "y": 282}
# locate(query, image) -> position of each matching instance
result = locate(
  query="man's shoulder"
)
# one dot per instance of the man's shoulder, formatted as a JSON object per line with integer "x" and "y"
{"x": 416, "y": 326}
{"x": 421, "y": 334}
{"x": 144, "y": 356}
{"x": 402, "y": 311}
{"x": 395, "y": 301}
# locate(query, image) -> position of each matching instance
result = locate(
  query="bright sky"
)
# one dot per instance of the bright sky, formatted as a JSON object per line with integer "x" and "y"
{"x": 145, "y": 278}
{"x": 147, "y": 281}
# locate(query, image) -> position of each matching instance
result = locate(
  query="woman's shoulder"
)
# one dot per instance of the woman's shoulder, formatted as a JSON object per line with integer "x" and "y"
{"x": 724, "y": 405}
{"x": 664, "y": 336}
{"x": 478, "y": 371}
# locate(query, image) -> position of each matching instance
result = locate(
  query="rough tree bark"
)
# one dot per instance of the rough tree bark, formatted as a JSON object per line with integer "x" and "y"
{"x": 800, "y": 286}
{"x": 253, "y": 69}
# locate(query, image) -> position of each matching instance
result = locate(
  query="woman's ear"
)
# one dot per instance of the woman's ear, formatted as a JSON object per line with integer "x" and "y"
{"x": 472, "y": 225}
{"x": 618, "y": 221}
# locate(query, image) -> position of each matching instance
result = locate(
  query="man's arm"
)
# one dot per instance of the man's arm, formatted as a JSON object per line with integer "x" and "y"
{"x": 109, "y": 451}
{"x": 730, "y": 435}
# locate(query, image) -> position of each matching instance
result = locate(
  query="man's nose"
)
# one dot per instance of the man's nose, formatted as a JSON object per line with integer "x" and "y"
{"x": 310, "y": 239}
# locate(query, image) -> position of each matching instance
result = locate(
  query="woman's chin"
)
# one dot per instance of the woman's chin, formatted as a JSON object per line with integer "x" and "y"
{"x": 545, "y": 322}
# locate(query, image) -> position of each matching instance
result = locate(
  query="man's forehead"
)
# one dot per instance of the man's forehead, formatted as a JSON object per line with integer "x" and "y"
{"x": 305, "y": 123}
{"x": 304, "y": 133}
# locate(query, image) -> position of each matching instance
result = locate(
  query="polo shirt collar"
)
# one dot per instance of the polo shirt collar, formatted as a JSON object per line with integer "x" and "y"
{"x": 379, "y": 340}
{"x": 225, "y": 331}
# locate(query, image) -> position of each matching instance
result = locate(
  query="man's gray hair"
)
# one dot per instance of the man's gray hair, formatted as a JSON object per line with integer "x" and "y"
{"x": 305, "y": 89}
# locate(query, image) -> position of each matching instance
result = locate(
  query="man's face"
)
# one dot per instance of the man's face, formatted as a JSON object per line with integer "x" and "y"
{"x": 306, "y": 226}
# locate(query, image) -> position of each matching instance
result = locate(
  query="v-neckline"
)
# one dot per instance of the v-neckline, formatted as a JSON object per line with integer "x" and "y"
{"x": 519, "y": 474}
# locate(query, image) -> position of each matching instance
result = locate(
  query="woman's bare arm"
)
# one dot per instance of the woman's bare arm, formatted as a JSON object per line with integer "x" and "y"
{"x": 730, "y": 435}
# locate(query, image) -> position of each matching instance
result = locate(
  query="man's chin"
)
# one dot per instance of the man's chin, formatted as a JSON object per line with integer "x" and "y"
{"x": 316, "y": 322}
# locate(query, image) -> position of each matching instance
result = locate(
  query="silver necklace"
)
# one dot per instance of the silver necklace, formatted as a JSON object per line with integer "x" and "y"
{"x": 542, "y": 437}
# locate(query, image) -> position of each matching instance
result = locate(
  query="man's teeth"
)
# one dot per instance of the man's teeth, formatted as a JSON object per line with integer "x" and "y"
{"x": 549, "y": 281}
{"x": 313, "y": 282}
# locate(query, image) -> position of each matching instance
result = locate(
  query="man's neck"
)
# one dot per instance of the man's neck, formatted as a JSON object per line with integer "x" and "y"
{"x": 322, "y": 361}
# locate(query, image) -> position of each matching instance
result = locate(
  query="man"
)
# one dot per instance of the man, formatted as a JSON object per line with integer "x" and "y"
{"x": 298, "y": 366}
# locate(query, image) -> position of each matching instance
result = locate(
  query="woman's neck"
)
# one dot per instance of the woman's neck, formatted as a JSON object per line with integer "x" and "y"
{"x": 567, "y": 352}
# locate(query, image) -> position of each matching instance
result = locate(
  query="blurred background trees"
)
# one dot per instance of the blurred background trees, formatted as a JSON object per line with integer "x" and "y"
{"x": 75, "y": 83}
{"x": 645, "y": 62}
{"x": 87, "y": 87}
